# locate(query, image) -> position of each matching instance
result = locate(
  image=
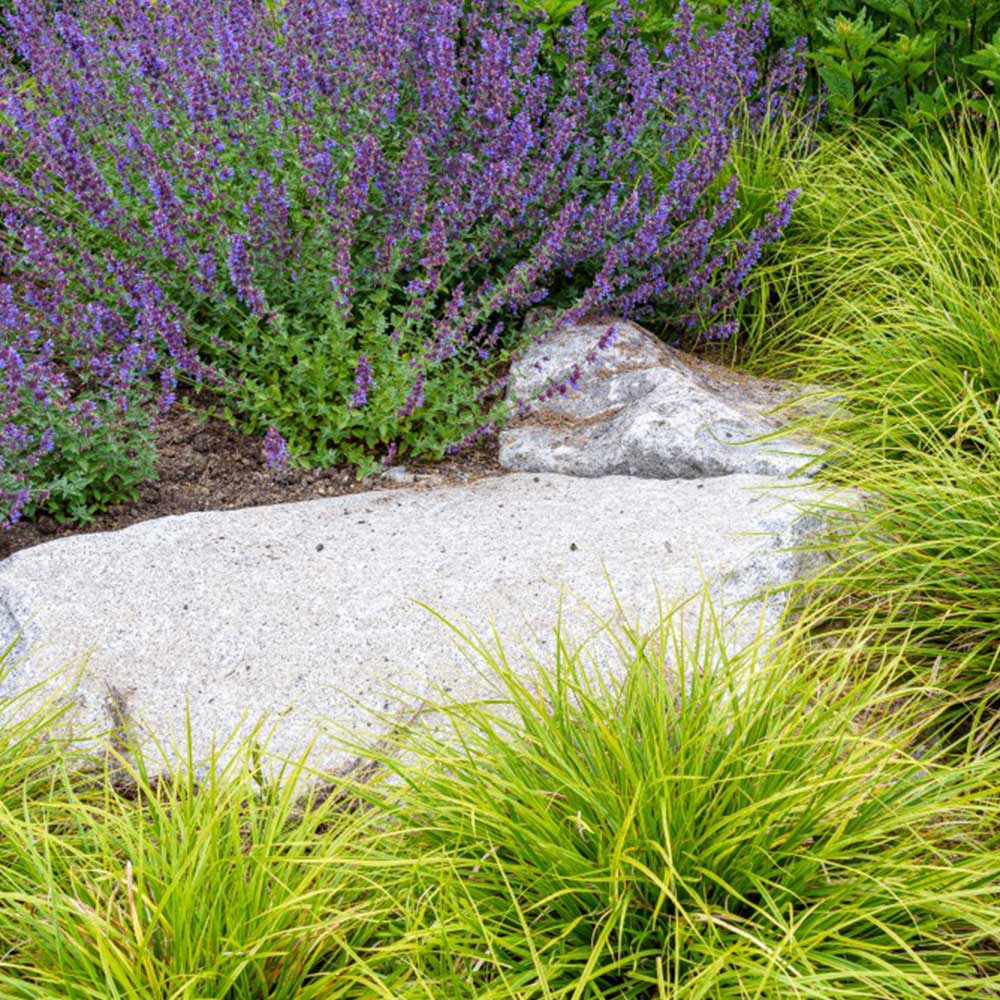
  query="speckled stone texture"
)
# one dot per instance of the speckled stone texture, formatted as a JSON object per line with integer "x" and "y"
{"x": 644, "y": 409}
{"x": 309, "y": 611}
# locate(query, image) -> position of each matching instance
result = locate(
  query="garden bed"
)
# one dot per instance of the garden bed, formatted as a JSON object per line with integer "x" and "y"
{"x": 338, "y": 214}
{"x": 203, "y": 463}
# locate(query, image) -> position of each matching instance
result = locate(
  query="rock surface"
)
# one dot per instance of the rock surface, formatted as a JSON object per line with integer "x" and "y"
{"x": 643, "y": 409}
{"x": 306, "y": 611}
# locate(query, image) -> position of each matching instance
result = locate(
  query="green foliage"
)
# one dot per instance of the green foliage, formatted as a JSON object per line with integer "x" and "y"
{"x": 914, "y": 61}
{"x": 90, "y": 474}
{"x": 656, "y": 16}
{"x": 293, "y": 373}
{"x": 222, "y": 886}
{"x": 986, "y": 61}
{"x": 702, "y": 827}
{"x": 885, "y": 290}
{"x": 84, "y": 474}
{"x": 697, "y": 823}
{"x": 846, "y": 57}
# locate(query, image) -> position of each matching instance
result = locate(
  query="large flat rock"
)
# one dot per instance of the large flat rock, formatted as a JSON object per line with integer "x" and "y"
{"x": 306, "y": 611}
{"x": 641, "y": 408}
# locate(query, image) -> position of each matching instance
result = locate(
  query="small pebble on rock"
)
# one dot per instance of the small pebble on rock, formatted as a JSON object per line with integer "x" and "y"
{"x": 399, "y": 474}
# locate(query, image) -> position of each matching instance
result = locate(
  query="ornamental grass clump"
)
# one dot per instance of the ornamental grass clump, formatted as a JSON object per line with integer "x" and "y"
{"x": 885, "y": 291}
{"x": 31, "y": 753}
{"x": 704, "y": 827}
{"x": 205, "y": 881}
{"x": 689, "y": 824}
{"x": 336, "y": 214}
{"x": 923, "y": 558}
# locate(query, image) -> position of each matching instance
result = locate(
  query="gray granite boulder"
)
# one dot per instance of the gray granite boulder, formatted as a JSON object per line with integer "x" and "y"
{"x": 643, "y": 409}
{"x": 306, "y": 612}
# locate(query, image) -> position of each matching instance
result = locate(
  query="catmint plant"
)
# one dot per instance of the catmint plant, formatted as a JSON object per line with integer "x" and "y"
{"x": 334, "y": 214}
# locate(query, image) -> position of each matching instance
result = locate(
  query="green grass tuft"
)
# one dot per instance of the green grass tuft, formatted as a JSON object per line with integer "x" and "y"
{"x": 702, "y": 829}
{"x": 712, "y": 825}
{"x": 203, "y": 883}
{"x": 885, "y": 291}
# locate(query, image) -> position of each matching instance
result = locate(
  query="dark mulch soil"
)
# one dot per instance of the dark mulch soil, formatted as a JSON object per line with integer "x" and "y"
{"x": 204, "y": 464}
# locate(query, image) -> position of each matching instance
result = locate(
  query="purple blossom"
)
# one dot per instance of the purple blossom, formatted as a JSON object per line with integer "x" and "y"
{"x": 363, "y": 383}
{"x": 415, "y": 399}
{"x": 371, "y": 180}
{"x": 241, "y": 274}
{"x": 275, "y": 450}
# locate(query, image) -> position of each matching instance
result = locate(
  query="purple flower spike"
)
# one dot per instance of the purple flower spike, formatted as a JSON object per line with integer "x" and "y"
{"x": 363, "y": 383}
{"x": 372, "y": 181}
{"x": 275, "y": 451}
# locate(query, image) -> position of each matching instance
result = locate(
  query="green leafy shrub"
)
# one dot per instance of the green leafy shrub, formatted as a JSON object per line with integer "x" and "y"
{"x": 986, "y": 61}
{"x": 337, "y": 215}
{"x": 85, "y": 472}
{"x": 915, "y": 61}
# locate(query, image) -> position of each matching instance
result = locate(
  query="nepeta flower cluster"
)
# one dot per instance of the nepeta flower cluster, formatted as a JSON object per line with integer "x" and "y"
{"x": 338, "y": 211}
